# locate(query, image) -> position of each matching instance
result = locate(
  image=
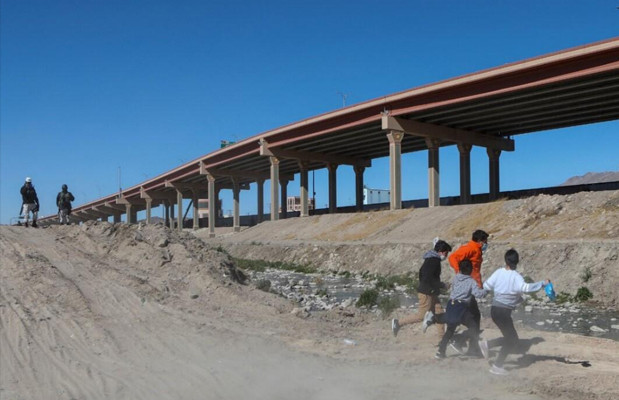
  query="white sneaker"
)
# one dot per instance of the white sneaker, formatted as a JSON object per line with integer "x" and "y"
{"x": 483, "y": 346}
{"x": 498, "y": 370}
{"x": 456, "y": 347}
{"x": 395, "y": 326}
{"x": 427, "y": 320}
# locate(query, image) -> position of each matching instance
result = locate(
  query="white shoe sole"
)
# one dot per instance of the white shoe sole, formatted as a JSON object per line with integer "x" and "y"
{"x": 395, "y": 327}
{"x": 484, "y": 349}
{"x": 426, "y": 321}
{"x": 498, "y": 372}
{"x": 456, "y": 349}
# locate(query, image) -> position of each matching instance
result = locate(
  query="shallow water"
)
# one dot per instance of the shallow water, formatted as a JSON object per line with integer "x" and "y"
{"x": 548, "y": 317}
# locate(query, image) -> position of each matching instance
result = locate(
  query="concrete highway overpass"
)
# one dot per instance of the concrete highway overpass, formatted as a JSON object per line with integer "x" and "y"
{"x": 488, "y": 109}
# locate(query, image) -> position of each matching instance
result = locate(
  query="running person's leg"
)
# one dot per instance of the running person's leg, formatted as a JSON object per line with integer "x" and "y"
{"x": 425, "y": 305}
{"x": 437, "y": 308}
{"x": 442, "y": 346}
{"x": 502, "y": 317}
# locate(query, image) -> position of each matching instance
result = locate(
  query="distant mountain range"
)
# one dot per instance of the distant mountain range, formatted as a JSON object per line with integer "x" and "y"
{"x": 592, "y": 177}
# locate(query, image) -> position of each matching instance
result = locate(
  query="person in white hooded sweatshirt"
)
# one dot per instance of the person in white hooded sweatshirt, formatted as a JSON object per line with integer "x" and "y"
{"x": 508, "y": 287}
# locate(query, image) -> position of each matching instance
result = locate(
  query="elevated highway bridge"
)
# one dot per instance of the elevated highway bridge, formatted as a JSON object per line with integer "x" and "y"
{"x": 487, "y": 109}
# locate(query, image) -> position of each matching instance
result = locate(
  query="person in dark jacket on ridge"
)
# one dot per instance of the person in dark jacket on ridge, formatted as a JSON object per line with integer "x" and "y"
{"x": 63, "y": 201}
{"x": 430, "y": 286}
{"x": 30, "y": 202}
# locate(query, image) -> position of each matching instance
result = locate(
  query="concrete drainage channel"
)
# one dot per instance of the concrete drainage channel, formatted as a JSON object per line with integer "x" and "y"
{"x": 319, "y": 292}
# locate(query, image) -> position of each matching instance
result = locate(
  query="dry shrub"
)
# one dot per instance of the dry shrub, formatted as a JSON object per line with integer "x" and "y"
{"x": 483, "y": 216}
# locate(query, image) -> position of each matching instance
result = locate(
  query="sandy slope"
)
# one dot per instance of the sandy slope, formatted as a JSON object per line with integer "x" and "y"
{"x": 106, "y": 311}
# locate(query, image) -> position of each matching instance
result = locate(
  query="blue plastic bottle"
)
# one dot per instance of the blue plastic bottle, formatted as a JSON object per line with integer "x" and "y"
{"x": 550, "y": 292}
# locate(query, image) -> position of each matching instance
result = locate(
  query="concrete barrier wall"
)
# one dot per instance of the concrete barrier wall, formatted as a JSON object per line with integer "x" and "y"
{"x": 250, "y": 220}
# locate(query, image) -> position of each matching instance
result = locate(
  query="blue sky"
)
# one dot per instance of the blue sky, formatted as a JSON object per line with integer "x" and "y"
{"x": 88, "y": 87}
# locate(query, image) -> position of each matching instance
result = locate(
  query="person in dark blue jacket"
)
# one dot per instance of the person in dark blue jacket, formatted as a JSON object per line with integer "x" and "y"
{"x": 63, "y": 201}
{"x": 30, "y": 202}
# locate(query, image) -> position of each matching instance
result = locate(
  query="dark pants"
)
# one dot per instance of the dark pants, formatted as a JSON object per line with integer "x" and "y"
{"x": 474, "y": 336}
{"x": 502, "y": 317}
{"x": 472, "y": 333}
{"x": 474, "y": 308}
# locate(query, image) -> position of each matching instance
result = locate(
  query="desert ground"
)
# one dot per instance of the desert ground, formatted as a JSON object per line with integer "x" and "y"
{"x": 115, "y": 311}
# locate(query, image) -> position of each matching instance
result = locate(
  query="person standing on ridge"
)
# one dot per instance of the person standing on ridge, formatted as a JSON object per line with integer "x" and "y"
{"x": 30, "y": 202}
{"x": 63, "y": 201}
{"x": 471, "y": 251}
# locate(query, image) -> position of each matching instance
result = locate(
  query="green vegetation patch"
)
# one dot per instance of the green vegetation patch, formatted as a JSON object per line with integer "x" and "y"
{"x": 262, "y": 265}
{"x": 582, "y": 294}
{"x": 220, "y": 249}
{"x": 407, "y": 280}
{"x": 345, "y": 274}
{"x": 388, "y": 304}
{"x": 368, "y": 298}
{"x": 322, "y": 292}
{"x": 563, "y": 297}
{"x": 264, "y": 285}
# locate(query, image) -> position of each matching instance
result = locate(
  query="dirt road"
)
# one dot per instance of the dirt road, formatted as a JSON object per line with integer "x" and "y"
{"x": 103, "y": 311}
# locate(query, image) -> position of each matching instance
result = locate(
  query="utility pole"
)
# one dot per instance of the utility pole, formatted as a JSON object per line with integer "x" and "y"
{"x": 344, "y": 96}
{"x": 120, "y": 189}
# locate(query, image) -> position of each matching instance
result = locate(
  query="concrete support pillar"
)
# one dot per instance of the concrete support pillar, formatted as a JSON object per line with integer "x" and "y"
{"x": 117, "y": 217}
{"x": 283, "y": 183}
{"x": 179, "y": 207}
{"x": 149, "y": 204}
{"x": 359, "y": 187}
{"x": 493, "y": 158}
{"x": 196, "y": 215}
{"x": 129, "y": 214}
{"x": 104, "y": 219}
{"x": 274, "y": 188}
{"x": 260, "y": 184}
{"x": 434, "y": 197}
{"x": 166, "y": 216}
{"x": 395, "y": 168}
{"x": 303, "y": 165}
{"x": 465, "y": 172}
{"x": 218, "y": 204}
{"x": 236, "y": 218}
{"x": 212, "y": 201}
{"x": 332, "y": 187}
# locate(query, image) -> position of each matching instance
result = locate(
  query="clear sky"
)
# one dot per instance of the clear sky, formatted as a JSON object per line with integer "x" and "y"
{"x": 91, "y": 87}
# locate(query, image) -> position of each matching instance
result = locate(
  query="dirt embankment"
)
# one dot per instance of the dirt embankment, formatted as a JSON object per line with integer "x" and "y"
{"x": 573, "y": 240}
{"x": 109, "y": 311}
